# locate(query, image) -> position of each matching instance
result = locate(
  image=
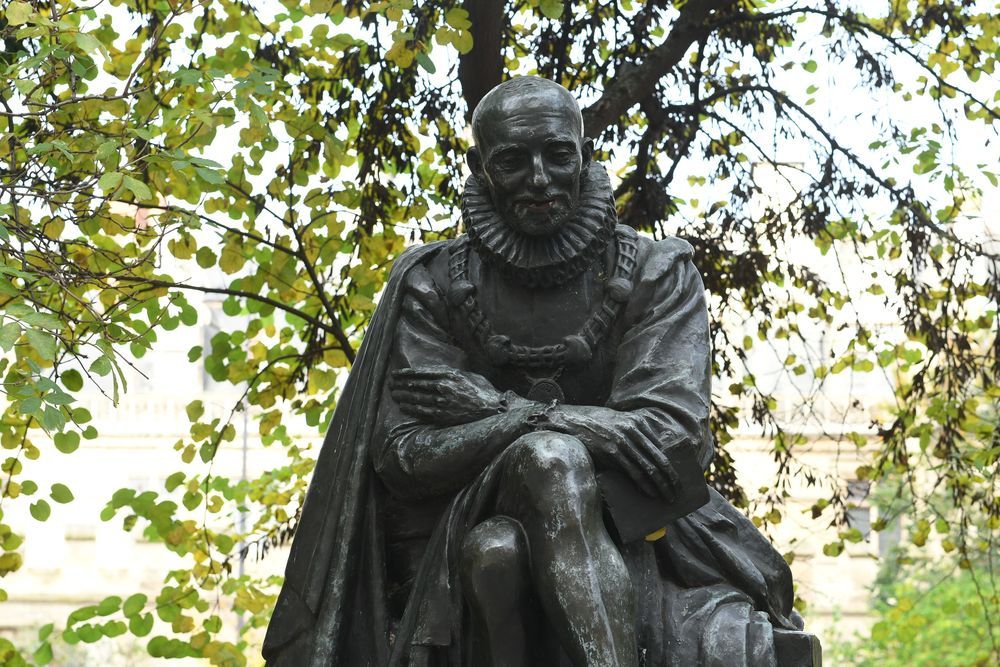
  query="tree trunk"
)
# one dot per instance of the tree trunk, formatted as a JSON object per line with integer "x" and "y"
{"x": 481, "y": 69}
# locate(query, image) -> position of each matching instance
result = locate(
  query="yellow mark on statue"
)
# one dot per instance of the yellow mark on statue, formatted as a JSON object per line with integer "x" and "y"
{"x": 652, "y": 537}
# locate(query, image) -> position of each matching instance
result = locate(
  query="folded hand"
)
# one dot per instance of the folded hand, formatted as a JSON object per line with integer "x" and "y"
{"x": 444, "y": 396}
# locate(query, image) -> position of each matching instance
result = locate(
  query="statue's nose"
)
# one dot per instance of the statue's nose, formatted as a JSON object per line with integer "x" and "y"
{"x": 539, "y": 173}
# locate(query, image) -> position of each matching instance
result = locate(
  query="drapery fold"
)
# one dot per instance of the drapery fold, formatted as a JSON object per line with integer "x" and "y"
{"x": 710, "y": 592}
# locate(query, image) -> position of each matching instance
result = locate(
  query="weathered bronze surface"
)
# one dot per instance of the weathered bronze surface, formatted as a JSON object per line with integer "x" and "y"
{"x": 527, "y": 415}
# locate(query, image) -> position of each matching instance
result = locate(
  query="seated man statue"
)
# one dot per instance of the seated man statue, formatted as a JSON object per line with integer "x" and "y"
{"x": 531, "y": 400}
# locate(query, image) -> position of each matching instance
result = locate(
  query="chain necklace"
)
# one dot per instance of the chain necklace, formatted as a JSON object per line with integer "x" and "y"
{"x": 573, "y": 350}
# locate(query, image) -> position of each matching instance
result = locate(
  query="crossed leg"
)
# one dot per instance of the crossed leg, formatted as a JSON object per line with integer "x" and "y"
{"x": 506, "y": 619}
{"x": 560, "y": 554}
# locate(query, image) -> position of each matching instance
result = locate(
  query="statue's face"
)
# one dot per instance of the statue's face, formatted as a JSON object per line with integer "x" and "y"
{"x": 530, "y": 155}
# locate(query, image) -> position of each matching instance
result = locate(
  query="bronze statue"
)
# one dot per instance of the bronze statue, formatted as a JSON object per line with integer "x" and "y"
{"x": 528, "y": 412}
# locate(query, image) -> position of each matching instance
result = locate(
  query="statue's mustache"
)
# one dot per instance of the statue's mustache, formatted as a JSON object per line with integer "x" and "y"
{"x": 556, "y": 197}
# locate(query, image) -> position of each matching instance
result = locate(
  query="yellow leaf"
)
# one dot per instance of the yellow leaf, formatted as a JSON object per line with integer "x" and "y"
{"x": 17, "y": 13}
{"x": 232, "y": 260}
{"x": 463, "y": 41}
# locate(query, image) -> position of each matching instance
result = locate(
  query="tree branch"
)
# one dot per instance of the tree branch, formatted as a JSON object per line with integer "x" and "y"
{"x": 332, "y": 329}
{"x": 632, "y": 86}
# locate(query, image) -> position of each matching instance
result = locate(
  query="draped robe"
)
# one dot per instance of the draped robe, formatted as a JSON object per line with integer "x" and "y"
{"x": 371, "y": 577}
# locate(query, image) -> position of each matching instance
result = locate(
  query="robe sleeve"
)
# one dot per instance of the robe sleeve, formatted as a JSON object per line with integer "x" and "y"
{"x": 420, "y": 340}
{"x": 663, "y": 365}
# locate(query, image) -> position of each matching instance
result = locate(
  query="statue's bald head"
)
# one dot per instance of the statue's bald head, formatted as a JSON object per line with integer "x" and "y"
{"x": 520, "y": 93}
{"x": 530, "y": 152}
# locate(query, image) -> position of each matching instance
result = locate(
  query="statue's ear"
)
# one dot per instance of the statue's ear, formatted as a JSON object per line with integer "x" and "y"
{"x": 475, "y": 161}
{"x": 587, "y": 152}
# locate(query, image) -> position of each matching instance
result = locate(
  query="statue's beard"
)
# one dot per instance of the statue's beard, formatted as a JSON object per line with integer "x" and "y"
{"x": 578, "y": 237}
{"x": 521, "y": 219}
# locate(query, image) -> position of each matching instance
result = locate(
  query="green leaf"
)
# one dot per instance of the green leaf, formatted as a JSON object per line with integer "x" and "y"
{"x": 52, "y": 418}
{"x": 463, "y": 41}
{"x": 138, "y": 188}
{"x": 72, "y": 379}
{"x": 61, "y": 493}
{"x": 210, "y": 175}
{"x": 458, "y": 18}
{"x": 134, "y": 604}
{"x": 204, "y": 162}
{"x": 109, "y": 605}
{"x": 88, "y": 43}
{"x": 110, "y": 181}
{"x": 43, "y": 654}
{"x": 552, "y": 9}
{"x": 195, "y": 409}
{"x": 58, "y": 397}
{"x": 9, "y": 333}
{"x": 40, "y": 510}
{"x": 44, "y": 344}
{"x": 810, "y": 66}
{"x": 205, "y": 257}
{"x": 173, "y": 481}
{"x": 191, "y": 499}
{"x": 89, "y": 633}
{"x": 140, "y": 626}
{"x": 106, "y": 150}
{"x": 114, "y": 629}
{"x": 101, "y": 366}
{"x": 425, "y": 62}
{"x": 232, "y": 260}
{"x": 17, "y": 13}
{"x": 66, "y": 442}
{"x": 833, "y": 549}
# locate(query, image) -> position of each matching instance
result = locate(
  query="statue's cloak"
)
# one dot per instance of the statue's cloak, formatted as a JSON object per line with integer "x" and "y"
{"x": 714, "y": 592}
{"x": 331, "y": 609}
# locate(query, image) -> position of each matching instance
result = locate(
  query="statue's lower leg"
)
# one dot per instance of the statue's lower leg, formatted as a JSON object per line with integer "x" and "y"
{"x": 579, "y": 575}
{"x": 496, "y": 583}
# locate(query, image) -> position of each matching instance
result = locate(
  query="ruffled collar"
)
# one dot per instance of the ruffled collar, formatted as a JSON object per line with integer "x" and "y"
{"x": 543, "y": 261}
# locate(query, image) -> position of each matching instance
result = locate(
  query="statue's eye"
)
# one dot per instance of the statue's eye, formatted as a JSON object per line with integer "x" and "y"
{"x": 561, "y": 155}
{"x": 509, "y": 161}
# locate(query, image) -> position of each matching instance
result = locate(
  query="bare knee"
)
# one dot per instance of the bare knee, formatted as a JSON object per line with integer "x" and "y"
{"x": 549, "y": 450}
{"x": 545, "y": 461}
{"x": 493, "y": 559}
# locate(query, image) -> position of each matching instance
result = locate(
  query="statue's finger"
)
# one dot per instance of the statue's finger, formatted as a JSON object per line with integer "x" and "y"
{"x": 414, "y": 384}
{"x": 424, "y": 372}
{"x": 428, "y": 388}
{"x": 411, "y": 384}
{"x": 661, "y": 459}
{"x": 637, "y": 470}
{"x": 413, "y": 397}
{"x": 644, "y": 455}
{"x": 422, "y": 412}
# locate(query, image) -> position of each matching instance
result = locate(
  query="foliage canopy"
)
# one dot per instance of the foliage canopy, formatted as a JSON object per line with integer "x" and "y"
{"x": 297, "y": 148}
